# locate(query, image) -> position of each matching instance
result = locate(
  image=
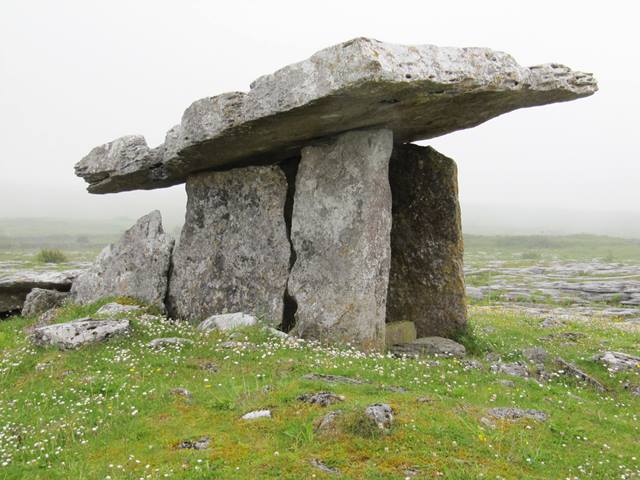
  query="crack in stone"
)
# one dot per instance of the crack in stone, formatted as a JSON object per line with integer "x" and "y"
{"x": 290, "y": 305}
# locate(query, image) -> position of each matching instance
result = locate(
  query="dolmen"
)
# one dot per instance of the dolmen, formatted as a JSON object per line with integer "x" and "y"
{"x": 308, "y": 206}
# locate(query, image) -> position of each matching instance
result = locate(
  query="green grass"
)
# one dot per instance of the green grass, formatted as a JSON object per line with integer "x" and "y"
{"x": 106, "y": 411}
{"x": 49, "y": 255}
{"x": 534, "y": 248}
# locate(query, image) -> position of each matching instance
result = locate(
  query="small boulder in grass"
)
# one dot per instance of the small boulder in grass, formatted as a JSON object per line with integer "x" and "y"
{"x": 227, "y": 321}
{"x": 257, "y": 414}
{"x": 512, "y": 414}
{"x": 169, "y": 342}
{"x": 324, "y": 399}
{"x": 327, "y": 422}
{"x": 200, "y": 444}
{"x": 78, "y": 333}
{"x": 381, "y": 414}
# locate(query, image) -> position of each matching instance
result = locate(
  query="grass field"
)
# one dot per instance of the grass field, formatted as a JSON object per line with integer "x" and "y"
{"x": 107, "y": 411}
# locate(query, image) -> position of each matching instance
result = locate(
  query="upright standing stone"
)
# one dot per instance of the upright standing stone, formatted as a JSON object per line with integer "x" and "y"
{"x": 233, "y": 254}
{"x": 340, "y": 233}
{"x": 426, "y": 283}
{"x": 136, "y": 266}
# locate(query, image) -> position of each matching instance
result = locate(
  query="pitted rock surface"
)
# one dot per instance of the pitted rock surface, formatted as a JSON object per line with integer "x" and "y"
{"x": 233, "y": 254}
{"x": 418, "y": 92}
{"x": 136, "y": 266}
{"x": 39, "y": 300}
{"x": 340, "y": 233}
{"x": 78, "y": 333}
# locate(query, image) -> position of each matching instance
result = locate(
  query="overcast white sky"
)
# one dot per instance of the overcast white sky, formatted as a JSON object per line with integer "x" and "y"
{"x": 78, "y": 73}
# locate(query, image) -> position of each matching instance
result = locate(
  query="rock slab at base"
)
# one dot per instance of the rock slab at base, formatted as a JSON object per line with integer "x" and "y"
{"x": 39, "y": 300}
{"x": 227, "y": 321}
{"x": 136, "y": 266}
{"x": 417, "y": 91}
{"x": 233, "y": 253}
{"x": 78, "y": 333}
{"x": 340, "y": 233}
{"x": 15, "y": 287}
{"x": 430, "y": 346}
{"x": 426, "y": 280}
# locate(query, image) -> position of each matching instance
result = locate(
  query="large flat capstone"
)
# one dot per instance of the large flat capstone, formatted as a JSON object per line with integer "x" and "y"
{"x": 233, "y": 254}
{"x": 136, "y": 266}
{"x": 418, "y": 92}
{"x": 340, "y": 232}
{"x": 426, "y": 282}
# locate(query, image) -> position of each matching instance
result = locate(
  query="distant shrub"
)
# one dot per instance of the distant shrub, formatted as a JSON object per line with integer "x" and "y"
{"x": 531, "y": 255}
{"x": 51, "y": 256}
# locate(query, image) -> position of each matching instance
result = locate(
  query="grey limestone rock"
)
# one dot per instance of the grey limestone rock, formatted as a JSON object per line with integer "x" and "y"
{"x": 426, "y": 280}
{"x": 381, "y": 414}
{"x": 324, "y": 399}
{"x": 15, "y": 287}
{"x": 117, "y": 308}
{"x": 418, "y": 92}
{"x": 159, "y": 343}
{"x": 439, "y": 346}
{"x": 512, "y": 413}
{"x": 39, "y": 300}
{"x": 136, "y": 266}
{"x": 233, "y": 254}
{"x": 227, "y": 321}
{"x": 618, "y": 361}
{"x": 340, "y": 232}
{"x": 78, "y": 333}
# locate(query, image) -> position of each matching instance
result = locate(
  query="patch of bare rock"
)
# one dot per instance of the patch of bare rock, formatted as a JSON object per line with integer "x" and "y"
{"x": 436, "y": 346}
{"x": 323, "y": 399}
{"x": 79, "y": 332}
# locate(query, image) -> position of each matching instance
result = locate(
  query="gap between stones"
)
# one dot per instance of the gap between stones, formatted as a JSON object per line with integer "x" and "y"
{"x": 290, "y": 305}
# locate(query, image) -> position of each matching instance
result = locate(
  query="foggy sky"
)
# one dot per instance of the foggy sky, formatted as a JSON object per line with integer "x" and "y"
{"x": 76, "y": 74}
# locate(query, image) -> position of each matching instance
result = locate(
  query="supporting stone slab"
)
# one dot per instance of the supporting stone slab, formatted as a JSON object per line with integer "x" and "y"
{"x": 234, "y": 252}
{"x": 137, "y": 266}
{"x": 340, "y": 233}
{"x": 426, "y": 282}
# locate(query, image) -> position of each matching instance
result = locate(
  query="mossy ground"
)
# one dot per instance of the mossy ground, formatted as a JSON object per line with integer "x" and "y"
{"x": 107, "y": 411}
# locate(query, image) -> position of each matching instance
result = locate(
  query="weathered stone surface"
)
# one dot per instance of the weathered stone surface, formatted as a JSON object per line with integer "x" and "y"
{"x": 430, "y": 346}
{"x": 512, "y": 413}
{"x": 169, "y": 342}
{"x": 227, "y": 321}
{"x": 515, "y": 369}
{"x": 117, "y": 308}
{"x": 426, "y": 281}
{"x": 340, "y": 233}
{"x": 400, "y": 332}
{"x": 39, "y": 300}
{"x": 535, "y": 354}
{"x": 257, "y": 414}
{"x": 136, "y": 266}
{"x": 15, "y": 287}
{"x": 381, "y": 414}
{"x": 327, "y": 423}
{"x": 618, "y": 361}
{"x": 78, "y": 332}
{"x": 233, "y": 253}
{"x": 418, "y": 92}
{"x": 324, "y": 399}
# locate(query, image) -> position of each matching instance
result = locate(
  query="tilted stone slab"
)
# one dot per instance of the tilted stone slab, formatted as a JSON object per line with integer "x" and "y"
{"x": 78, "y": 333}
{"x": 426, "y": 281}
{"x": 136, "y": 266}
{"x": 14, "y": 288}
{"x": 340, "y": 233}
{"x": 418, "y": 92}
{"x": 233, "y": 254}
